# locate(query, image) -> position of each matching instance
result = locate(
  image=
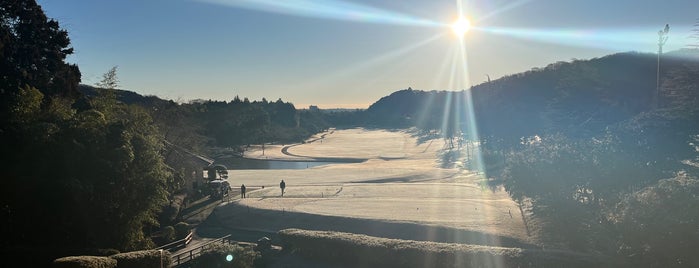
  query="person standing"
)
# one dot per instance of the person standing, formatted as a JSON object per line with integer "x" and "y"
{"x": 242, "y": 191}
{"x": 282, "y": 185}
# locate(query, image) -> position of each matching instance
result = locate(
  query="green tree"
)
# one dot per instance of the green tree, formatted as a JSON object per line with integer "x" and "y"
{"x": 106, "y": 99}
{"x": 27, "y": 105}
{"x": 33, "y": 50}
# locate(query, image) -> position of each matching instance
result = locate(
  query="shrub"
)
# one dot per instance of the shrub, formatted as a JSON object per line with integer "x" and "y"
{"x": 143, "y": 259}
{"x": 659, "y": 225}
{"x": 84, "y": 262}
{"x": 226, "y": 255}
{"x": 348, "y": 249}
{"x": 169, "y": 234}
{"x": 182, "y": 230}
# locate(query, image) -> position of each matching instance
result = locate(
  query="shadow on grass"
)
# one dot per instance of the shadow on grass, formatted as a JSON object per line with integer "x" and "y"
{"x": 250, "y": 223}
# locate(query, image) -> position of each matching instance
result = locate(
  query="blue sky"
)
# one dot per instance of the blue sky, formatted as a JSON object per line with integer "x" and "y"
{"x": 347, "y": 53}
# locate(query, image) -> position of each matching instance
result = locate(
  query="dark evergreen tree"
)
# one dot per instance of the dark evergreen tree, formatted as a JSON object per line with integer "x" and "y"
{"x": 33, "y": 49}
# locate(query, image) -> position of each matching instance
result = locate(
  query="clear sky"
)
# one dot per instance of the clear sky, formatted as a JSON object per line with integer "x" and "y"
{"x": 348, "y": 53}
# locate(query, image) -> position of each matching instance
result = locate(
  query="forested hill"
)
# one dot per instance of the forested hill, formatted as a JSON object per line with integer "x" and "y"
{"x": 601, "y": 159}
{"x": 580, "y": 97}
{"x": 125, "y": 96}
{"x": 202, "y": 124}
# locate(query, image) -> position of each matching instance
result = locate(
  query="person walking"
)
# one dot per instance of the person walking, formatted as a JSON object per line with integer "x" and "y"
{"x": 242, "y": 191}
{"x": 282, "y": 185}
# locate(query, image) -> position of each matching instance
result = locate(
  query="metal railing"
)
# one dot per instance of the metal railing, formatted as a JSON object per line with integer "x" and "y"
{"x": 184, "y": 257}
{"x": 178, "y": 243}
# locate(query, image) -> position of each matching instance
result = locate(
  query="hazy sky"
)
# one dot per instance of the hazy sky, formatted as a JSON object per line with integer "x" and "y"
{"x": 347, "y": 53}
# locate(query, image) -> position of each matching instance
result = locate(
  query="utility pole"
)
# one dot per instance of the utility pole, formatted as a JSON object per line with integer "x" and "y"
{"x": 662, "y": 38}
{"x": 695, "y": 36}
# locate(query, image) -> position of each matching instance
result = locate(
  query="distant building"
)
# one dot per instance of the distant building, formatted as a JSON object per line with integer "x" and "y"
{"x": 313, "y": 108}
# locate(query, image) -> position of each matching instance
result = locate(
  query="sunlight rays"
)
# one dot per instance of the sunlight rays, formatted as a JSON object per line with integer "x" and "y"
{"x": 463, "y": 117}
{"x": 502, "y": 9}
{"x": 329, "y": 9}
{"x": 463, "y": 60}
{"x": 379, "y": 59}
{"x": 443, "y": 68}
{"x": 613, "y": 39}
{"x": 446, "y": 111}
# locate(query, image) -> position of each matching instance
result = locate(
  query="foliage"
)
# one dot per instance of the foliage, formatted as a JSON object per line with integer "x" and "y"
{"x": 659, "y": 225}
{"x": 27, "y": 105}
{"x": 88, "y": 178}
{"x": 84, "y": 262}
{"x": 133, "y": 259}
{"x": 109, "y": 79}
{"x": 218, "y": 254}
{"x": 143, "y": 259}
{"x": 32, "y": 53}
{"x": 106, "y": 101}
{"x": 182, "y": 229}
{"x": 356, "y": 250}
{"x": 169, "y": 234}
{"x": 565, "y": 183}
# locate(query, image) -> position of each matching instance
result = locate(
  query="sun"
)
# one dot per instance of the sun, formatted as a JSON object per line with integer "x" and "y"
{"x": 461, "y": 26}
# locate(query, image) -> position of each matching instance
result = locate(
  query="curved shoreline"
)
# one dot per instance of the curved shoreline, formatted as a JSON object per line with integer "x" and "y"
{"x": 291, "y": 157}
{"x": 285, "y": 151}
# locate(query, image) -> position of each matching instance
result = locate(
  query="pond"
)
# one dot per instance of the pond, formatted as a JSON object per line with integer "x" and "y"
{"x": 234, "y": 163}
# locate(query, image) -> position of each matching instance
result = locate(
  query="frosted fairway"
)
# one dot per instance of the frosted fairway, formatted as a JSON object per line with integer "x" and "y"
{"x": 400, "y": 181}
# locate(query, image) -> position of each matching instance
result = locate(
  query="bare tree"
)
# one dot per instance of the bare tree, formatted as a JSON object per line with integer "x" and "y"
{"x": 695, "y": 36}
{"x": 106, "y": 100}
{"x": 109, "y": 79}
{"x": 662, "y": 38}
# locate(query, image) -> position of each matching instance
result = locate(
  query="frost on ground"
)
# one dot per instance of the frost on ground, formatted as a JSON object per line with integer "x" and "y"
{"x": 400, "y": 182}
{"x": 356, "y": 250}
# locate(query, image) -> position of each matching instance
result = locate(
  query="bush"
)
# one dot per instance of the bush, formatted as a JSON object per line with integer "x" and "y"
{"x": 144, "y": 259}
{"x": 217, "y": 254}
{"x": 182, "y": 230}
{"x": 348, "y": 249}
{"x": 169, "y": 234}
{"x": 659, "y": 225}
{"x": 84, "y": 262}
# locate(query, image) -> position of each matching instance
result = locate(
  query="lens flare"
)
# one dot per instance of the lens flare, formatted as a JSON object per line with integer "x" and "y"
{"x": 461, "y": 26}
{"x": 329, "y": 9}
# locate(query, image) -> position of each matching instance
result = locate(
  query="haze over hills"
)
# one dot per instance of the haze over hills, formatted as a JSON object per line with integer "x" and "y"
{"x": 578, "y": 98}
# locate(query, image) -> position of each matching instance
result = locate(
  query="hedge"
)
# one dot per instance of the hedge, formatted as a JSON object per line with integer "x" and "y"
{"x": 367, "y": 251}
{"x": 84, "y": 262}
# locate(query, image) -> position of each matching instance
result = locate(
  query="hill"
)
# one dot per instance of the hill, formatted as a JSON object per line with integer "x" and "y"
{"x": 579, "y": 98}
{"x": 588, "y": 147}
{"x": 125, "y": 96}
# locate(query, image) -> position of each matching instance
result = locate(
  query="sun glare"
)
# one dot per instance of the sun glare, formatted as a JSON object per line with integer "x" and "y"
{"x": 461, "y": 26}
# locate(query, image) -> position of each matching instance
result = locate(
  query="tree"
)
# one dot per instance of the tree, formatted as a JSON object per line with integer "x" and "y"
{"x": 33, "y": 50}
{"x": 72, "y": 180}
{"x": 109, "y": 79}
{"x": 106, "y": 99}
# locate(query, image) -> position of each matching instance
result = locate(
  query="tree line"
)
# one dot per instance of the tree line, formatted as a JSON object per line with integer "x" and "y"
{"x": 83, "y": 169}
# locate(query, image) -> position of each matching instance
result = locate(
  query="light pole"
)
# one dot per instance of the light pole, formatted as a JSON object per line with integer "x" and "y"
{"x": 662, "y": 38}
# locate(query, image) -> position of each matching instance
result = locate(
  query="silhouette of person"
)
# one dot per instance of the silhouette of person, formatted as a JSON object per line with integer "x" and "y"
{"x": 242, "y": 191}
{"x": 282, "y": 185}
